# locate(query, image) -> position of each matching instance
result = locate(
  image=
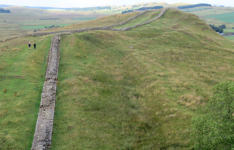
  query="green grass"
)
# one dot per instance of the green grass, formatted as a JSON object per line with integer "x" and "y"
{"x": 230, "y": 37}
{"x": 113, "y": 97}
{"x": 228, "y": 30}
{"x": 22, "y": 74}
{"x": 41, "y": 27}
{"x": 227, "y": 17}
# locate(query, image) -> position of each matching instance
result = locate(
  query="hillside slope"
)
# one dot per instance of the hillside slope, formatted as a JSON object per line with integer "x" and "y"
{"x": 136, "y": 89}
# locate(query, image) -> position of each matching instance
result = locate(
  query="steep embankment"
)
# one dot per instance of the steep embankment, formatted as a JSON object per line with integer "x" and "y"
{"x": 138, "y": 89}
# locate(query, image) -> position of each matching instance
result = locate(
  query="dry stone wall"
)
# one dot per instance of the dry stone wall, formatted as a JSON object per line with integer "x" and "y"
{"x": 44, "y": 126}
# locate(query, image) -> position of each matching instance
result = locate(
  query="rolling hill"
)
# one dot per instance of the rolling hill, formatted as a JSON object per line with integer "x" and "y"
{"x": 135, "y": 89}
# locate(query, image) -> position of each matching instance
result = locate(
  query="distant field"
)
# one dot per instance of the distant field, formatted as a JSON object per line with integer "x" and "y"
{"x": 217, "y": 16}
{"x": 91, "y": 18}
{"x": 40, "y": 27}
{"x": 228, "y": 30}
{"x": 197, "y": 9}
{"x": 230, "y": 37}
{"x": 25, "y": 20}
{"x": 228, "y": 17}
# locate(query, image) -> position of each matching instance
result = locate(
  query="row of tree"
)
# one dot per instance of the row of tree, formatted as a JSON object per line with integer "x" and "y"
{"x": 4, "y": 11}
{"x": 142, "y": 9}
{"x": 192, "y": 6}
{"x": 219, "y": 28}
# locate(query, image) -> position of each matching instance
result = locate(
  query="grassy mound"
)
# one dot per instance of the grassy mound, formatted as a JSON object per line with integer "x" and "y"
{"x": 21, "y": 82}
{"x": 138, "y": 89}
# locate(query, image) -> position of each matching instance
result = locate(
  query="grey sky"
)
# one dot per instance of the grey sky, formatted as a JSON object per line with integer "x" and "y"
{"x": 90, "y": 3}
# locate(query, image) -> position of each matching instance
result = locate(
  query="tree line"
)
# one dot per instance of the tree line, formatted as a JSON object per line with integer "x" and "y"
{"x": 218, "y": 28}
{"x": 192, "y": 6}
{"x": 4, "y": 11}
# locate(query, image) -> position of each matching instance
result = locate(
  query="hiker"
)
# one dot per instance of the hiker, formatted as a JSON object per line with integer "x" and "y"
{"x": 29, "y": 45}
{"x": 35, "y": 46}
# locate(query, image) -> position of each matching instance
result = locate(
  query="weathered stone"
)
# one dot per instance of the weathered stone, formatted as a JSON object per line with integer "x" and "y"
{"x": 44, "y": 127}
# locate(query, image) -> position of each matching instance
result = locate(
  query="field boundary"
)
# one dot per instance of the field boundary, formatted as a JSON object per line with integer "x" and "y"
{"x": 44, "y": 127}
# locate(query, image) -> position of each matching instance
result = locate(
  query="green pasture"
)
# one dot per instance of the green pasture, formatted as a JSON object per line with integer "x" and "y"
{"x": 227, "y": 17}
{"x": 138, "y": 89}
{"x": 21, "y": 81}
{"x": 43, "y": 26}
{"x": 228, "y": 30}
{"x": 230, "y": 37}
{"x": 214, "y": 11}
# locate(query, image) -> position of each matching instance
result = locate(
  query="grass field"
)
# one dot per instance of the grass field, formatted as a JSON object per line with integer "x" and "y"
{"x": 23, "y": 20}
{"x": 230, "y": 37}
{"x": 21, "y": 81}
{"x": 41, "y": 27}
{"x": 113, "y": 97}
{"x": 227, "y": 17}
{"x": 228, "y": 30}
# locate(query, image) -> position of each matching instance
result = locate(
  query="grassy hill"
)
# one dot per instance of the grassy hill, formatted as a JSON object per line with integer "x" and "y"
{"x": 136, "y": 89}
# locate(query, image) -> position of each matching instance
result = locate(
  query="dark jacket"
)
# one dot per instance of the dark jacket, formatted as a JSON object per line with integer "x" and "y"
{"x": 35, "y": 45}
{"x": 29, "y": 45}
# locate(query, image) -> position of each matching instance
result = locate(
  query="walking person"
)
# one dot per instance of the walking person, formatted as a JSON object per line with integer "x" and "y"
{"x": 29, "y": 45}
{"x": 35, "y": 46}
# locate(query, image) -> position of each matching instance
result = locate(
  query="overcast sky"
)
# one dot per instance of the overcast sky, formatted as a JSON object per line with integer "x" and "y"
{"x": 90, "y": 3}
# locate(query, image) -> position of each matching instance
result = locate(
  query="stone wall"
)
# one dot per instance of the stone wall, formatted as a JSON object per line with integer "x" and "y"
{"x": 44, "y": 126}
